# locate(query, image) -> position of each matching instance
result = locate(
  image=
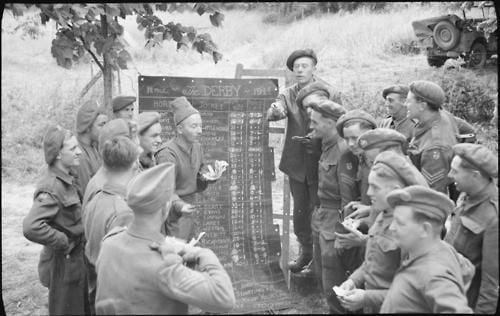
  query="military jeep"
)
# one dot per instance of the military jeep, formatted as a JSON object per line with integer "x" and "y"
{"x": 450, "y": 36}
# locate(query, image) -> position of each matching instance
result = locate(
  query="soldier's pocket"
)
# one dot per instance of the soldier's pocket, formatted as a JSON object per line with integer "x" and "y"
{"x": 74, "y": 268}
{"x": 45, "y": 265}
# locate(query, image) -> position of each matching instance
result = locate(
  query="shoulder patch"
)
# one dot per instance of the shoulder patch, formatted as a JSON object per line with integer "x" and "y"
{"x": 114, "y": 231}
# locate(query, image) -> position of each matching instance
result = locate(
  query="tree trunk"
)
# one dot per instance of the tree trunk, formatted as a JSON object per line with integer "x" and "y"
{"x": 108, "y": 71}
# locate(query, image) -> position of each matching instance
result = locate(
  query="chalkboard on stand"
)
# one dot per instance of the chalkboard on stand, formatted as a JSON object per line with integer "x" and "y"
{"x": 236, "y": 212}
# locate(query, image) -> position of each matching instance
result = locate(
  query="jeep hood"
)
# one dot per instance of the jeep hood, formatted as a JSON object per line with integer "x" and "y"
{"x": 423, "y": 28}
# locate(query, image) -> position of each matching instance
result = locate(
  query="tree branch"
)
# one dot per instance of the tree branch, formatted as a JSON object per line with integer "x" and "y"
{"x": 92, "y": 54}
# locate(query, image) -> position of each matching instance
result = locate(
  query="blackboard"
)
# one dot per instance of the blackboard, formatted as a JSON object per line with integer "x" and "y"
{"x": 237, "y": 211}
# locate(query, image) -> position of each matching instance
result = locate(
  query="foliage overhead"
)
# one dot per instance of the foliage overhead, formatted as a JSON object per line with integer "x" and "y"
{"x": 95, "y": 28}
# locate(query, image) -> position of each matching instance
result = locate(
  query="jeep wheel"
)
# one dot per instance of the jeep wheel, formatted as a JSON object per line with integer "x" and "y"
{"x": 436, "y": 61}
{"x": 446, "y": 35}
{"x": 478, "y": 55}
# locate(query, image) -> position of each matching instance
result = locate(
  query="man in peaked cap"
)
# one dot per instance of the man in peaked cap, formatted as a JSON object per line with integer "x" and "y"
{"x": 185, "y": 151}
{"x": 431, "y": 277}
{"x": 54, "y": 221}
{"x": 149, "y": 136}
{"x": 139, "y": 272}
{"x": 123, "y": 107}
{"x": 397, "y": 119}
{"x": 108, "y": 208}
{"x": 435, "y": 133}
{"x": 474, "y": 223}
{"x": 300, "y": 155}
{"x": 368, "y": 284}
{"x": 336, "y": 188}
{"x": 89, "y": 121}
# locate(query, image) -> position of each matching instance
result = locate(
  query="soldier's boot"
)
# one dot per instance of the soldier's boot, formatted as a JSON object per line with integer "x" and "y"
{"x": 305, "y": 256}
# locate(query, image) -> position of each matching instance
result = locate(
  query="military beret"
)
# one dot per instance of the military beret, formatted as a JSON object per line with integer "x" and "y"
{"x": 150, "y": 190}
{"x": 86, "y": 115}
{"x": 329, "y": 109}
{"x": 399, "y": 89}
{"x": 479, "y": 156}
{"x": 182, "y": 109}
{"x": 429, "y": 92}
{"x": 378, "y": 137}
{"x": 53, "y": 142}
{"x": 402, "y": 167}
{"x": 310, "y": 88}
{"x": 147, "y": 119}
{"x": 120, "y": 102}
{"x": 357, "y": 115}
{"x": 423, "y": 200}
{"x": 113, "y": 128}
{"x": 301, "y": 53}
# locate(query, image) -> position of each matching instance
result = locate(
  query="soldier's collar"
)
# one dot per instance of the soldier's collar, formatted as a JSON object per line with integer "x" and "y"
{"x": 489, "y": 191}
{"x": 62, "y": 175}
{"x": 329, "y": 143}
{"x": 141, "y": 233}
{"x": 423, "y": 252}
{"x": 115, "y": 188}
{"x": 400, "y": 115}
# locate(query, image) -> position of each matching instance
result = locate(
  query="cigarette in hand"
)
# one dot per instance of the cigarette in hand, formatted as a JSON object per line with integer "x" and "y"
{"x": 195, "y": 241}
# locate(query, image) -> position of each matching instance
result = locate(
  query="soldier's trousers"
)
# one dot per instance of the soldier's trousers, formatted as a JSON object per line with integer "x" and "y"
{"x": 305, "y": 198}
{"x": 335, "y": 266}
{"x": 68, "y": 292}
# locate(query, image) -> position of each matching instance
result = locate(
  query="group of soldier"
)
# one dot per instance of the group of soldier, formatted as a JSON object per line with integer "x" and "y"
{"x": 112, "y": 193}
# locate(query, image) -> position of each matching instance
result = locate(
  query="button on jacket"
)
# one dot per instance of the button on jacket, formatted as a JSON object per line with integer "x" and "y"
{"x": 474, "y": 233}
{"x": 382, "y": 259}
{"x": 431, "y": 282}
{"x": 136, "y": 280}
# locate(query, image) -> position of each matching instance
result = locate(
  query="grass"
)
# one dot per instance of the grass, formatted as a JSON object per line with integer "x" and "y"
{"x": 355, "y": 56}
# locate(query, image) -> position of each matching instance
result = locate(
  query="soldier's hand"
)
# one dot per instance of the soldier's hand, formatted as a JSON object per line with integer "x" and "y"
{"x": 273, "y": 111}
{"x": 349, "y": 240}
{"x": 188, "y": 209}
{"x": 348, "y": 285}
{"x": 353, "y": 300}
{"x": 359, "y": 210}
{"x": 190, "y": 253}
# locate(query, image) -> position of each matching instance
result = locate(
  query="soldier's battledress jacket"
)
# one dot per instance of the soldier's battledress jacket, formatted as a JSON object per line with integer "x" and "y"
{"x": 430, "y": 282}
{"x": 135, "y": 279}
{"x": 90, "y": 161}
{"x": 399, "y": 122}
{"x": 474, "y": 233}
{"x": 55, "y": 222}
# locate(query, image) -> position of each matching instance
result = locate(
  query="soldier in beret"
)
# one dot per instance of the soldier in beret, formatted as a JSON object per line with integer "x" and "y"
{"x": 435, "y": 133}
{"x": 474, "y": 223}
{"x": 89, "y": 121}
{"x": 108, "y": 208}
{"x": 123, "y": 107}
{"x": 300, "y": 155}
{"x": 54, "y": 221}
{"x": 112, "y": 129}
{"x": 139, "y": 272}
{"x": 337, "y": 187}
{"x": 369, "y": 283}
{"x": 149, "y": 136}
{"x": 395, "y": 97}
{"x": 314, "y": 93}
{"x": 432, "y": 275}
{"x": 185, "y": 151}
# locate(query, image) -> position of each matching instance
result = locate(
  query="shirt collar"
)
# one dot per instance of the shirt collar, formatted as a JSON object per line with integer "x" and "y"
{"x": 115, "y": 188}
{"x": 59, "y": 173}
{"x": 422, "y": 127}
{"x": 489, "y": 191}
{"x": 328, "y": 143}
{"x": 416, "y": 256}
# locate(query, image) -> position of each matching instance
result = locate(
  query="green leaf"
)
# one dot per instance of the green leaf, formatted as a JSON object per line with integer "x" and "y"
{"x": 216, "y": 19}
{"x": 200, "y": 8}
{"x": 125, "y": 55}
{"x": 161, "y": 7}
{"x": 216, "y": 56}
{"x": 158, "y": 36}
{"x": 167, "y": 35}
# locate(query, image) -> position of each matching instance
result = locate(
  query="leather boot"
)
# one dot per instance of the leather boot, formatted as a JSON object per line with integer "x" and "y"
{"x": 305, "y": 256}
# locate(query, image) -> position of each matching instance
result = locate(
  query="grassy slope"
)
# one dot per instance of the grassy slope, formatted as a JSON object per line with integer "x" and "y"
{"x": 354, "y": 53}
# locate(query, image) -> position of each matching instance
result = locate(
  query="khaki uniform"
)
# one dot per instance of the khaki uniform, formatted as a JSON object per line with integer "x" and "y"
{"x": 337, "y": 187}
{"x": 382, "y": 259}
{"x": 134, "y": 279}
{"x": 399, "y": 122}
{"x": 146, "y": 161}
{"x": 90, "y": 161}
{"x": 54, "y": 221}
{"x": 474, "y": 233}
{"x": 108, "y": 209}
{"x": 431, "y": 282}
{"x": 94, "y": 185}
{"x": 188, "y": 160}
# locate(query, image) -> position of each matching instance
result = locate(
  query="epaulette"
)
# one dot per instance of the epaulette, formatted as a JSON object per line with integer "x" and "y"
{"x": 114, "y": 231}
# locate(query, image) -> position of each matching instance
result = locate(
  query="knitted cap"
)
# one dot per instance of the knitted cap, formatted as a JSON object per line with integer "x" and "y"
{"x": 86, "y": 115}
{"x": 479, "y": 156}
{"x": 120, "y": 102}
{"x": 182, "y": 109}
{"x": 329, "y": 109}
{"x": 399, "y": 89}
{"x": 300, "y": 53}
{"x": 400, "y": 165}
{"x": 428, "y": 91}
{"x": 147, "y": 119}
{"x": 356, "y": 114}
{"x": 310, "y": 88}
{"x": 379, "y": 137}
{"x": 53, "y": 142}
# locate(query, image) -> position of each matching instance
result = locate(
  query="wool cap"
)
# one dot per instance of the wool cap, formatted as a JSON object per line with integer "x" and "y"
{"x": 53, "y": 142}
{"x": 403, "y": 167}
{"x": 121, "y": 101}
{"x": 86, "y": 115}
{"x": 307, "y": 52}
{"x": 310, "y": 88}
{"x": 381, "y": 137}
{"x": 147, "y": 119}
{"x": 479, "y": 156}
{"x": 356, "y": 115}
{"x": 182, "y": 109}
{"x": 150, "y": 190}
{"x": 430, "y": 92}
{"x": 113, "y": 128}
{"x": 399, "y": 89}
{"x": 423, "y": 200}
{"x": 329, "y": 109}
